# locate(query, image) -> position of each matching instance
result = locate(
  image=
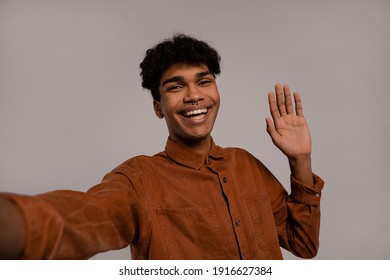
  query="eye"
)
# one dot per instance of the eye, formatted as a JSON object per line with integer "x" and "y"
{"x": 204, "y": 82}
{"x": 175, "y": 87}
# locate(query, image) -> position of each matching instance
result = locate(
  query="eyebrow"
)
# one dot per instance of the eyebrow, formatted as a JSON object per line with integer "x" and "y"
{"x": 181, "y": 78}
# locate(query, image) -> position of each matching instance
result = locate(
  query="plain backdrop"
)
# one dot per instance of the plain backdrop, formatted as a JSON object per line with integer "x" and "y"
{"x": 72, "y": 107}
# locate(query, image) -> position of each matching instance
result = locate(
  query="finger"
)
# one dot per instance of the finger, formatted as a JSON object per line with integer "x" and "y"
{"x": 288, "y": 100}
{"x": 298, "y": 104}
{"x": 280, "y": 100}
{"x": 273, "y": 107}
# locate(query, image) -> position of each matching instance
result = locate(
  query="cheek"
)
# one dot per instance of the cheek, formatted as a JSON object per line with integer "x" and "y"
{"x": 216, "y": 98}
{"x": 214, "y": 93}
{"x": 169, "y": 107}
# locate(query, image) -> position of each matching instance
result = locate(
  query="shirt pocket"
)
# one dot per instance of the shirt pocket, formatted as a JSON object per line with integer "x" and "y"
{"x": 261, "y": 213}
{"x": 191, "y": 232}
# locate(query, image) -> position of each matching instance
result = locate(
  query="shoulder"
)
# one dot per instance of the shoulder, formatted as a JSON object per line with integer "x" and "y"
{"x": 238, "y": 152}
{"x": 133, "y": 169}
{"x": 242, "y": 157}
{"x": 142, "y": 163}
{"x": 137, "y": 163}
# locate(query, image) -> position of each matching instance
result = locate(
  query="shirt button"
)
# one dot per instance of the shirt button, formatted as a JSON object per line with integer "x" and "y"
{"x": 238, "y": 222}
{"x": 224, "y": 179}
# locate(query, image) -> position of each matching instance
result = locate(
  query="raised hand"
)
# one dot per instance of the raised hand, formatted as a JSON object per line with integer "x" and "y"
{"x": 289, "y": 131}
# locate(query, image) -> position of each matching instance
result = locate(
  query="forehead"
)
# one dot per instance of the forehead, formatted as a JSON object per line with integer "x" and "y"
{"x": 183, "y": 70}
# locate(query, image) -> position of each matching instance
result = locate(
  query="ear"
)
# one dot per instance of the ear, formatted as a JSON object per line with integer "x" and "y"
{"x": 157, "y": 109}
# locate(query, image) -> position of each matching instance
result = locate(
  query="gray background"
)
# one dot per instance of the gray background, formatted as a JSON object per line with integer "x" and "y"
{"x": 72, "y": 108}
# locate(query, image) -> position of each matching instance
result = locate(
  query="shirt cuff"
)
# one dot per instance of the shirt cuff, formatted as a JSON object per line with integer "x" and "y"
{"x": 41, "y": 224}
{"x": 307, "y": 194}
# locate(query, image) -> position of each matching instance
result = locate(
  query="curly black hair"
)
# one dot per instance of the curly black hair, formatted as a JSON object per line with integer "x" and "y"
{"x": 180, "y": 48}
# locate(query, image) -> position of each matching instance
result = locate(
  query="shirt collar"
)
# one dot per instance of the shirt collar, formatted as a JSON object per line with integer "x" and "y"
{"x": 185, "y": 156}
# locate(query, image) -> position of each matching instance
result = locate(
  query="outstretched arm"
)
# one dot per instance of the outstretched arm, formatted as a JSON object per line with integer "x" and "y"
{"x": 290, "y": 133}
{"x": 11, "y": 230}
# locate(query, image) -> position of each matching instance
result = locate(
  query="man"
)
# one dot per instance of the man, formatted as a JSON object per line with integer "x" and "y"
{"x": 195, "y": 200}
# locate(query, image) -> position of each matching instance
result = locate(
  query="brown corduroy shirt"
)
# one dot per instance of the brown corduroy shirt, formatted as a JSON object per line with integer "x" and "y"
{"x": 177, "y": 205}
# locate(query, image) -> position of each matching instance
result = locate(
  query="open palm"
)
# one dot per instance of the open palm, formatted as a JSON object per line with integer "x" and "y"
{"x": 288, "y": 130}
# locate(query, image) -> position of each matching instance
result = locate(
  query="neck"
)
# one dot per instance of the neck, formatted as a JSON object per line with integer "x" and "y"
{"x": 198, "y": 146}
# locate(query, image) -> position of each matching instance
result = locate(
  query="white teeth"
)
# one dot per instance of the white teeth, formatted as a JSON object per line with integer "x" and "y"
{"x": 196, "y": 112}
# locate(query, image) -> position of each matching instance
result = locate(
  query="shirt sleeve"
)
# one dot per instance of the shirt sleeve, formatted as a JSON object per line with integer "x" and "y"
{"x": 299, "y": 232}
{"x": 307, "y": 194}
{"x": 77, "y": 225}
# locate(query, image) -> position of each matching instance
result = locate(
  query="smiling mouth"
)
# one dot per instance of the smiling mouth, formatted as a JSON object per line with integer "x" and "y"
{"x": 196, "y": 114}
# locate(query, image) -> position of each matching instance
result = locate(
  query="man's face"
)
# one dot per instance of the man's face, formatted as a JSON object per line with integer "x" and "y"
{"x": 189, "y": 102}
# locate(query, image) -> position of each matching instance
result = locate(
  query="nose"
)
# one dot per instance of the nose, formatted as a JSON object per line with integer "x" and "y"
{"x": 193, "y": 95}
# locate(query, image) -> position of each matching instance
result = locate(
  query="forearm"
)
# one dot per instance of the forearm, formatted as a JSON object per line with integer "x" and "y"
{"x": 301, "y": 169}
{"x": 299, "y": 233}
{"x": 12, "y": 230}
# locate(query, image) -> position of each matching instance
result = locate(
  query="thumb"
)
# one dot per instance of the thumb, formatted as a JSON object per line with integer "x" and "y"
{"x": 271, "y": 130}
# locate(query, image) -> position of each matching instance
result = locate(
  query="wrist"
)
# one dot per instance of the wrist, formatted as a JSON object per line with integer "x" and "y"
{"x": 300, "y": 160}
{"x": 301, "y": 169}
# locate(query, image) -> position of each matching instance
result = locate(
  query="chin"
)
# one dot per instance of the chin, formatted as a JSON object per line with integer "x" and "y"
{"x": 196, "y": 138}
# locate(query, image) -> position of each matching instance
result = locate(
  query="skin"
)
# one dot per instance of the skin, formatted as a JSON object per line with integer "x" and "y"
{"x": 290, "y": 133}
{"x": 186, "y": 89}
